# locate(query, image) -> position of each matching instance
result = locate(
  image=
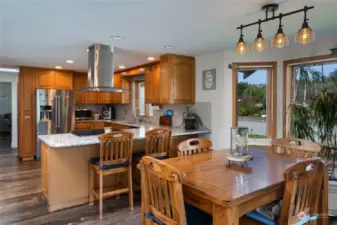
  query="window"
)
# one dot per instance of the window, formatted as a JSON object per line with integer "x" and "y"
{"x": 308, "y": 82}
{"x": 141, "y": 108}
{"x": 254, "y": 99}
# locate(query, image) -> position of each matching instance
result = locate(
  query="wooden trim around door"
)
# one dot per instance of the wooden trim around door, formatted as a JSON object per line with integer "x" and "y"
{"x": 271, "y": 87}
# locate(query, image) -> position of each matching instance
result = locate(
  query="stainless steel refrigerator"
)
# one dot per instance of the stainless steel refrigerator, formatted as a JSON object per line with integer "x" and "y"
{"x": 55, "y": 113}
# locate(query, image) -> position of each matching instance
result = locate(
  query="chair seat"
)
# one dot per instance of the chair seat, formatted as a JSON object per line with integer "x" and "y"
{"x": 141, "y": 154}
{"x": 194, "y": 216}
{"x": 95, "y": 161}
{"x": 258, "y": 217}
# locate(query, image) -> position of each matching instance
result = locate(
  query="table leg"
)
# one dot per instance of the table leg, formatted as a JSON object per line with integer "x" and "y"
{"x": 225, "y": 216}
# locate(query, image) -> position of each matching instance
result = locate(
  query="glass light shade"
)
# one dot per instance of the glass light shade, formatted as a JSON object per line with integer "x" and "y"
{"x": 280, "y": 40}
{"x": 239, "y": 141}
{"x": 259, "y": 44}
{"x": 305, "y": 35}
{"x": 241, "y": 47}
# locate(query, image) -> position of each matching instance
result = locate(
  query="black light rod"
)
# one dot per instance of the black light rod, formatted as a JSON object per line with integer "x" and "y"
{"x": 276, "y": 17}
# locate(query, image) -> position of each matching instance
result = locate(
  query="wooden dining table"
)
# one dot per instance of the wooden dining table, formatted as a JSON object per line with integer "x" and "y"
{"x": 229, "y": 191}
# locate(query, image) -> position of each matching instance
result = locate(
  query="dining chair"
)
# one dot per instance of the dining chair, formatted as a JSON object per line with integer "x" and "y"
{"x": 162, "y": 196}
{"x": 301, "y": 194}
{"x": 114, "y": 158}
{"x": 194, "y": 146}
{"x": 296, "y": 147}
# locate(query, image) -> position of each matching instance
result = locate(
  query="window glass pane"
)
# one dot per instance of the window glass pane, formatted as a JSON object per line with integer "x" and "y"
{"x": 252, "y": 102}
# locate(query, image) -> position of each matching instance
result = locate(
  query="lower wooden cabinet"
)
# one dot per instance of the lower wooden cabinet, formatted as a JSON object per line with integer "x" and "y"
{"x": 82, "y": 126}
{"x": 98, "y": 125}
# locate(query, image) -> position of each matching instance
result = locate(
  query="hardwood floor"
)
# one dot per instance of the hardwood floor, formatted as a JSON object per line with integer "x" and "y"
{"x": 21, "y": 200}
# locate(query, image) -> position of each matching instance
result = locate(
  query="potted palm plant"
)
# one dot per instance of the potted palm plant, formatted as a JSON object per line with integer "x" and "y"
{"x": 315, "y": 116}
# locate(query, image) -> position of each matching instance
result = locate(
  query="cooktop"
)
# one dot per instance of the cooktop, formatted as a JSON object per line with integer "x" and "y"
{"x": 82, "y": 133}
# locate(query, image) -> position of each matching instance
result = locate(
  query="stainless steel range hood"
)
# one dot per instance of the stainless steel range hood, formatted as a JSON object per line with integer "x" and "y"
{"x": 100, "y": 69}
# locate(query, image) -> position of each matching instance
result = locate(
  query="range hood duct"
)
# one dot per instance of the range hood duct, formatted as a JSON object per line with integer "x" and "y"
{"x": 100, "y": 69}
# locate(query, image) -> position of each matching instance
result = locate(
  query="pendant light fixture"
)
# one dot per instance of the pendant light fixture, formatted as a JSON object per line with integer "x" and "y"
{"x": 305, "y": 35}
{"x": 241, "y": 46}
{"x": 260, "y": 43}
{"x": 280, "y": 40}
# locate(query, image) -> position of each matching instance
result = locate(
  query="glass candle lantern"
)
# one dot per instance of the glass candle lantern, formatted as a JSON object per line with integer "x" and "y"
{"x": 239, "y": 141}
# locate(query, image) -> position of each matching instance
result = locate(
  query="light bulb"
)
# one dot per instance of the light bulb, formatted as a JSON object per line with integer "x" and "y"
{"x": 241, "y": 47}
{"x": 280, "y": 40}
{"x": 259, "y": 44}
{"x": 305, "y": 35}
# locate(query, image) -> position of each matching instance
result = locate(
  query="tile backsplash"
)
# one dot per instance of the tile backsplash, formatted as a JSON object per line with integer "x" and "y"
{"x": 124, "y": 112}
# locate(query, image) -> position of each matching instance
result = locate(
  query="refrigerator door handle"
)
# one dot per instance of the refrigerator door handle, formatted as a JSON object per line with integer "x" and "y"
{"x": 58, "y": 109}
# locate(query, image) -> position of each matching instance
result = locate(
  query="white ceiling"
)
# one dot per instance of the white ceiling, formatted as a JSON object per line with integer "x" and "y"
{"x": 47, "y": 32}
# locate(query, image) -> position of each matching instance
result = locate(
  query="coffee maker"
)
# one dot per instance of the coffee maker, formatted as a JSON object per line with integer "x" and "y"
{"x": 108, "y": 113}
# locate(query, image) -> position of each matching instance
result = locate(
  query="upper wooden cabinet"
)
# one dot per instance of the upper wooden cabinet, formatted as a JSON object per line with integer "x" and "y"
{"x": 51, "y": 79}
{"x": 63, "y": 80}
{"x": 171, "y": 82}
{"x": 80, "y": 81}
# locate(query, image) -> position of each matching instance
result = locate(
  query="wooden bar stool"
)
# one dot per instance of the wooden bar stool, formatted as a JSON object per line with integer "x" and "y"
{"x": 157, "y": 145}
{"x": 194, "y": 146}
{"x": 114, "y": 158}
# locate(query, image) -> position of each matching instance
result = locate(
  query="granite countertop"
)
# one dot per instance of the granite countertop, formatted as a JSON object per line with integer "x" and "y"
{"x": 70, "y": 140}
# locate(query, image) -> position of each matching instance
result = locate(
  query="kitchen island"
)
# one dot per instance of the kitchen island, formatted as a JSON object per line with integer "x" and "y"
{"x": 65, "y": 157}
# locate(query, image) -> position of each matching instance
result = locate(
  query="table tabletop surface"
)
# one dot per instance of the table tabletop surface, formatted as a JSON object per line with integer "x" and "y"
{"x": 210, "y": 174}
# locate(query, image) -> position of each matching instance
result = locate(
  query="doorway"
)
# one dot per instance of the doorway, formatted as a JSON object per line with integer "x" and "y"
{"x": 5, "y": 115}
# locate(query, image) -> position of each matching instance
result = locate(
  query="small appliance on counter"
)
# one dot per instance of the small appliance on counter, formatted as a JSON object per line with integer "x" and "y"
{"x": 83, "y": 114}
{"x": 191, "y": 120}
{"x": 166, "y": 120}
{"x": 108, "y": 113}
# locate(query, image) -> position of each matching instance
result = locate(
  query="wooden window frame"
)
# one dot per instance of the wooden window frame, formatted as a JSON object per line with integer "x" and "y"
{"x": 271, "y": 90}
{"x": 288, "y": 81}
{"x": 147, "y": 106}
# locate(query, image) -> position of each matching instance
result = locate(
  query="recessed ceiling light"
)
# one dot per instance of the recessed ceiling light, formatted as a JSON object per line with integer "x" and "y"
{"x": 150, "y": 58}
{"x": 121, "y": 67}
{"x": 117, "y": 37}
{"x": 70, "y": 61}
{"x": 87, "y": 50}
{"x": 169, "y": 46}
{"x": 58, "y": 67}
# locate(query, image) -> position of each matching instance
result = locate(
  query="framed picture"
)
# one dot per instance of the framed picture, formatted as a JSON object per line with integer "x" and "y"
{"x": 209, "y": 79}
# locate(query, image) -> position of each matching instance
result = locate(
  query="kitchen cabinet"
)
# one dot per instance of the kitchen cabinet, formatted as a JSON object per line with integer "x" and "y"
{"x": 80, "y": 81}
{"x": 98, "y": 125}
{"x": 26, "y": 113}
{"x": 82, "y": 125}
{"x": 172, "y": 81}
{"x": 44, "y": 78}
{"x": 63, "y": 80}
{"x": 152, "y": 85}
{"x": 51, "y": 79}
{"x": 177, "y": 79}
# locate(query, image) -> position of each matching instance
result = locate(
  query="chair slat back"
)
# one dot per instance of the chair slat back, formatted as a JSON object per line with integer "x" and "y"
{"x": 194, "y": 146}
{"x": 296, "y": 147}
{"x": 302, "y": 191}
{"x": 162, "y": 191}
{"x": 116, "y": 147}
{"x": 158, "y": 142}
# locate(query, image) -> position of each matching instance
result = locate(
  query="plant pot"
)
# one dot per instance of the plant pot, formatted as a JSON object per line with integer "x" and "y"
{"x": 332, "y": 198}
